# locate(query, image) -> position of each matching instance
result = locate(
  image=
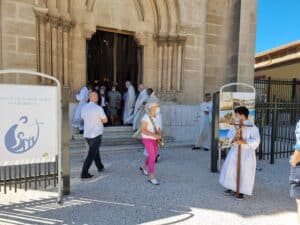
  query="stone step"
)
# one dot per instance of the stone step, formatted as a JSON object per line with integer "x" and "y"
{"x": 132, "y": 147}
{"x": 113, "y": 141}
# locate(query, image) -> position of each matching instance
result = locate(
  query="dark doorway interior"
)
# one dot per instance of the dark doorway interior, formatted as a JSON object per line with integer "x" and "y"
{"x": 113, "y": 58}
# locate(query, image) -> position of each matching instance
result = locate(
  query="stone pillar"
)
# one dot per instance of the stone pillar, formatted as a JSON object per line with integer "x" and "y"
{"x": 179, "y": 67}
{"x": 247, "y": 38}
{"x": 60, "y": 54}
{"x": 66, "y": 55}
{"x": 169, "y": 68}
{"x": 78, "y": 58}
{"x": 54, "y": 31}
{"x": 160, "y": 67}
{"x": 165, "y": 67}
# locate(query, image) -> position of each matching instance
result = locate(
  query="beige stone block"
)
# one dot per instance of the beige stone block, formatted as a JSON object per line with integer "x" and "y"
{"x": 20, "y": 61}
{"x": 9, "y": 8}
{"x": 191, "y": 52}
{"x": 215, "y": 19}
{"x": 9, "y": 43}
{"x": 19, "y": 28}
{"x": 216, "y": 39}
{"x": 214, "y": 29}
{"x": 26, "y": 12}
{"x": 26, "y": 45}
{"x": 192, "y": 64}
{"x": 31, "y": 2}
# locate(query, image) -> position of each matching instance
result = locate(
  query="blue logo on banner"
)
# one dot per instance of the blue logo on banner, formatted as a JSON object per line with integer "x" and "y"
{"x": 21, "y": 137}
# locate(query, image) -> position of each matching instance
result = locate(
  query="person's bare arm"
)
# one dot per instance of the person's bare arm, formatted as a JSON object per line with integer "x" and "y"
{"x": 104, "y": 120}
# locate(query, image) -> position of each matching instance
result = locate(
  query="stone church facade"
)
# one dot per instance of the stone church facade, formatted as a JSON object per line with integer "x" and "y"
{"x": 189, "y": 47}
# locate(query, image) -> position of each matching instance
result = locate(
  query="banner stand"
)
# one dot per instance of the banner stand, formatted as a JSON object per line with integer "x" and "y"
{"x": 224, "y": 103}
{"x": 58, "y": 117}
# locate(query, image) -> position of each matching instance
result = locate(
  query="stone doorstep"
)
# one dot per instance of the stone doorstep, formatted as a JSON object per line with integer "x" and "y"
{"x": 134, "y": 147}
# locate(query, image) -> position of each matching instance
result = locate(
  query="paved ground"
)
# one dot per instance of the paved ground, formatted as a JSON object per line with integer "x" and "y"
{"x": 188, "y": 194}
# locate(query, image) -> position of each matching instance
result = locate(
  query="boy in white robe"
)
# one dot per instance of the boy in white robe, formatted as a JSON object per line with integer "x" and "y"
{"x": 249, "y": 143}
{"x": 203, "y": 138}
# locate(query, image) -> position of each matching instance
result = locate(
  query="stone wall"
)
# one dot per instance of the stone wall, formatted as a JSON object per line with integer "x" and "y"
{"x": 18, "y": 37}
{"x": 189, "y": 46}
{"x": 193, "y": 26}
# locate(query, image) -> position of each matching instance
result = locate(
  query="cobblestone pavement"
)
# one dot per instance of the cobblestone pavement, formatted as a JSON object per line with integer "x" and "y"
{"x": 188, "y": 194}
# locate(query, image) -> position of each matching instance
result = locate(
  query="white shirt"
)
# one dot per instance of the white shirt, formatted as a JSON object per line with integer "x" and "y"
{"x": 150, "y": 127}
{"x": 92, "y": 115}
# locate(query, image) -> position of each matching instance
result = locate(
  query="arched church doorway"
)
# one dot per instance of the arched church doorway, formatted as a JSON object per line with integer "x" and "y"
{"x": 112, "y": 59}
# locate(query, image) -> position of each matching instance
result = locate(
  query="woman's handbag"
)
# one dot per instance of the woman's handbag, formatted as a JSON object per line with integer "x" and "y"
{"x": 138, "y": 134}
{"x": 161, "y": 141}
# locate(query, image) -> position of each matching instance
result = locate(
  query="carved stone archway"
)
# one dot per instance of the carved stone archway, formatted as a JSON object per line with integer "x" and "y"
{"x": 64, "y": 27}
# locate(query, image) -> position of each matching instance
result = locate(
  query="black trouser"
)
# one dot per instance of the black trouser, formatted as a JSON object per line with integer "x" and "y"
{"x": 93, "y": 155}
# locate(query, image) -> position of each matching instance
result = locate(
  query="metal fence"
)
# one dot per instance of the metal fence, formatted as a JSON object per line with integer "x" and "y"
{"x": 283, "y": 90}
{"x": 30, "y": 176}
{"x": 276, "y": 121}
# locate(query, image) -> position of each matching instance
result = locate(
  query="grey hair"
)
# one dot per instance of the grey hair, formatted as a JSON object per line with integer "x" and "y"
{"x": 150, "y": 103}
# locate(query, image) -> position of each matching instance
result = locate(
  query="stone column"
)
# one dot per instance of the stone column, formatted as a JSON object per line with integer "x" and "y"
{"x": 169, "y": 66}
{"x": 165, "y": 67}
{"x": 66, "y": 54}
{"x": 60, "y": 54}
{"x": 247, "y": 38}
{"x": 160, "y": 67}
{"x": 179, "y": 67}
{"x": 78, "y": 58}
{"x": 54, "y": 44}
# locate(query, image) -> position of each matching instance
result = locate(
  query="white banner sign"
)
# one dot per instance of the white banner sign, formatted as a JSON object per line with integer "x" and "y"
{"x": 28, "y": 118}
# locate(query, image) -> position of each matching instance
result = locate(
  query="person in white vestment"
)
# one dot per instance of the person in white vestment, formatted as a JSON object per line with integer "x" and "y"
{"x": 249, "y": 143}
{"x": 129, "y": 104}
{"x": 203, "y": 138}
{"x": 139, "y": 108}
{"x": 82, "y": 97}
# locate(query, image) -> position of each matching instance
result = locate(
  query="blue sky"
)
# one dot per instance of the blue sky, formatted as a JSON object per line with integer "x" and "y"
{"x": 278, "y": 23}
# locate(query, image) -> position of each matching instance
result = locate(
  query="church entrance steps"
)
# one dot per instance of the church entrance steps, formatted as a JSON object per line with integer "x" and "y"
{"x": 79, "y": 150}
{"x": 114, "y": 137}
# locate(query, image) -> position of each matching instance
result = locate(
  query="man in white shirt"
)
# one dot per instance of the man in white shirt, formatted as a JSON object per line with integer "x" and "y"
{"x": 94, "y": 117}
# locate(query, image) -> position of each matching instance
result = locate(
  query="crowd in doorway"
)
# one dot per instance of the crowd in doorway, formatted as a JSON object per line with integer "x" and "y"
{"x": 121, "y": 108}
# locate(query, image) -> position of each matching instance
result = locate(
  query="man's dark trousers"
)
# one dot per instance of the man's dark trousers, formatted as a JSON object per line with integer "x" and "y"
{"x": 93, "y": 154}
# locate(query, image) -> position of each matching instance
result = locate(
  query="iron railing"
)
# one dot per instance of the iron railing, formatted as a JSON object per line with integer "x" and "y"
{"x": 28, "y": 176}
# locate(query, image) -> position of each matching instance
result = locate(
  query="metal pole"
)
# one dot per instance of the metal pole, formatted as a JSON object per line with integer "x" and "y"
{"x": 273, "y": 131}
{"x": 215, "y": 134}
{"x": 65, "y": 142}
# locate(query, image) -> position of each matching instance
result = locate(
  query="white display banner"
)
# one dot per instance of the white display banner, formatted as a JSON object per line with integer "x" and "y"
{"x": 28, "y": 118}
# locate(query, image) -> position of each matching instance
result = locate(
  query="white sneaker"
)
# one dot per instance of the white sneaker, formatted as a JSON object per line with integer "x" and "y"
{"x": 145, "y": 172}
{"x": 154, "y": 181}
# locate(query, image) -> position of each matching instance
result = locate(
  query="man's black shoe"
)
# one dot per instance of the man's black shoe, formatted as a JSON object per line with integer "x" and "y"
{"x": 87, "y": 176}
{"x": 81, "y": 132}
{"x": 240, "y": 197}
{"x": 206, "y": 149}
{"x": 194, "y": 148}
{"x": 228, "y": 192}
